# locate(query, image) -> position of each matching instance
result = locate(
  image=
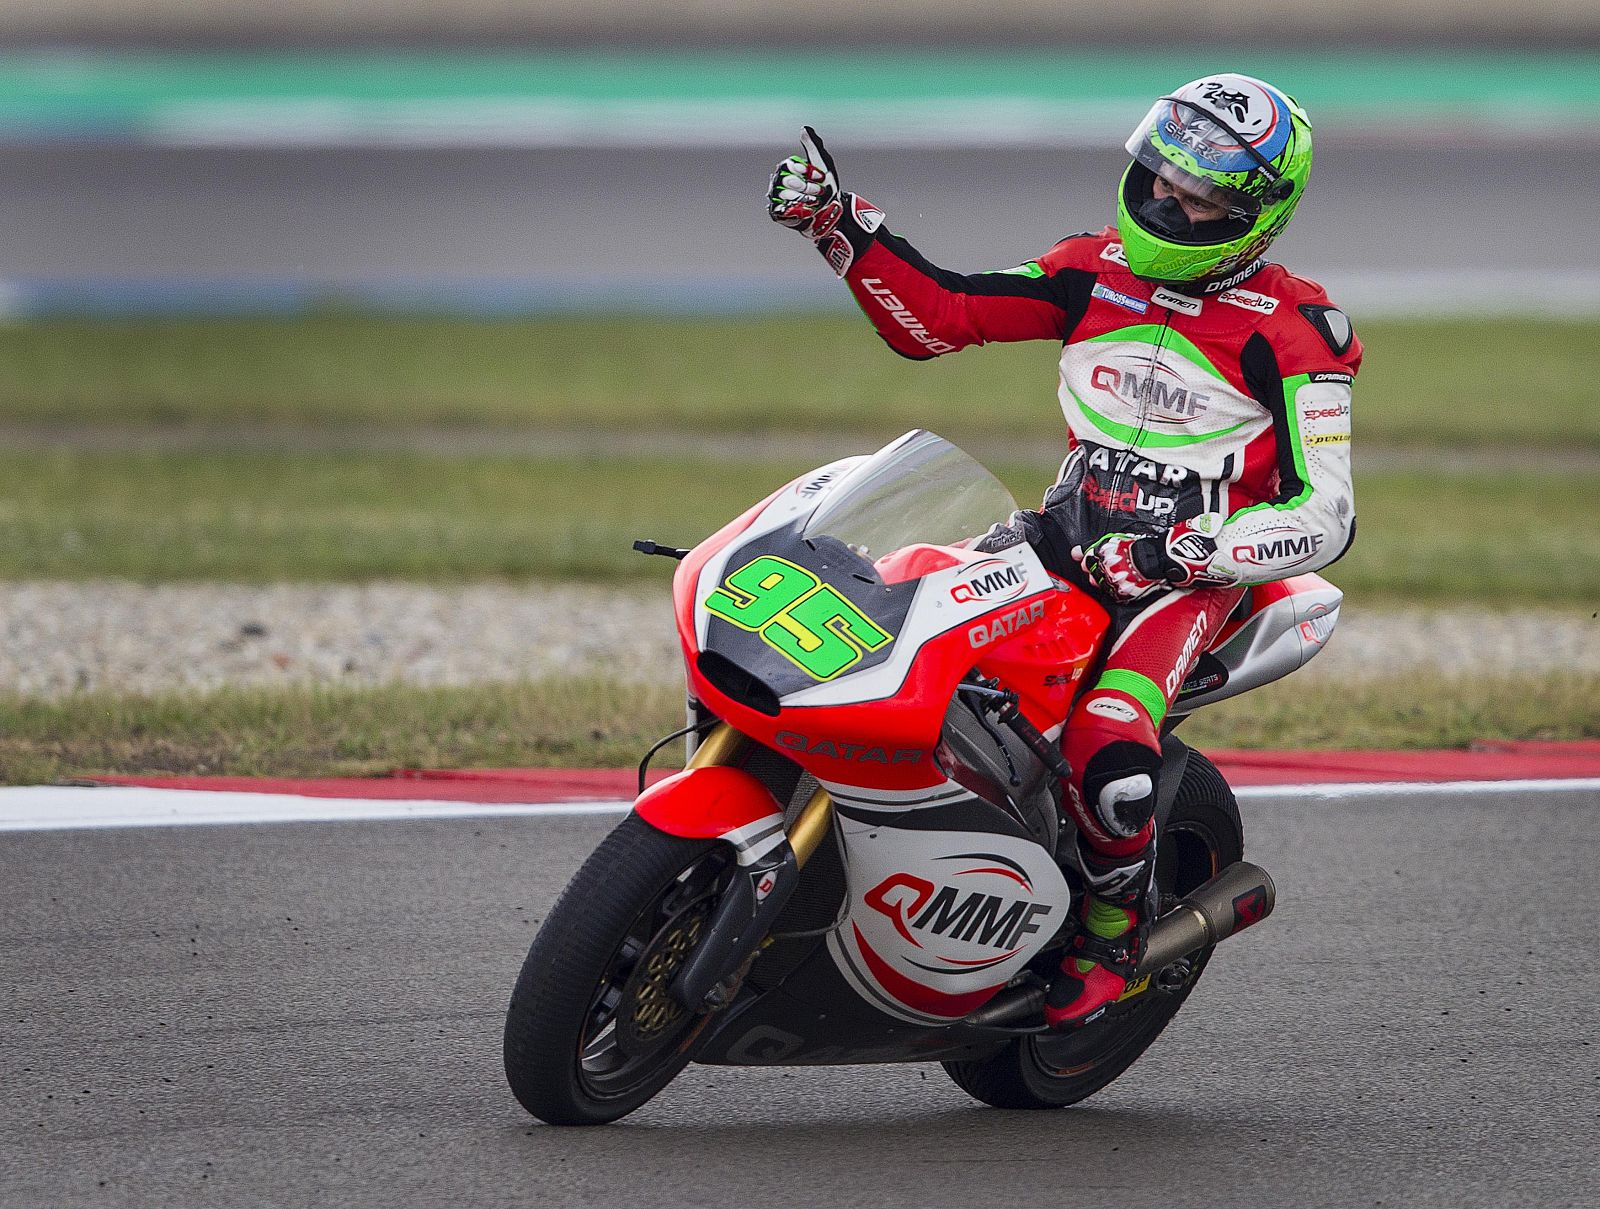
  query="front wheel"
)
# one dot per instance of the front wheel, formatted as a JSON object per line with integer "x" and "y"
{"x": 592, "y": 1033}
{"x": 1202, "y": 835}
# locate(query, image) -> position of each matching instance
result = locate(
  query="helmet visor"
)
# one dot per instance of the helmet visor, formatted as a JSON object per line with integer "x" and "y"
{"x": 1206, "y": 140}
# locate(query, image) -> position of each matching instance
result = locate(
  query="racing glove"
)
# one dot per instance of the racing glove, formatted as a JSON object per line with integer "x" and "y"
{"x": 1129, "y": 567}
{"x": 1109, "y": 562}
{"x": 804, "y": 194}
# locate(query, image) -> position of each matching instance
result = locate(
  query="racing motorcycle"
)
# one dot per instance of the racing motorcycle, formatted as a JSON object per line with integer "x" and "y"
{"x": 865, "y": 859}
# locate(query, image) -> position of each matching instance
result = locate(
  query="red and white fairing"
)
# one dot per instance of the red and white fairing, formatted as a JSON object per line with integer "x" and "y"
{"x": 946, "y": 901}
{"x": 938, "y": 921}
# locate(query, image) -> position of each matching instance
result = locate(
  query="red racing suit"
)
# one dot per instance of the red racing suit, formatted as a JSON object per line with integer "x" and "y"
{"x": 1230, "y": 398}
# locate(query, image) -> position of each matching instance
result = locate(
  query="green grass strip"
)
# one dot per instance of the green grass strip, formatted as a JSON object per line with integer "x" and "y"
{"x": 1450, "y": 384}
{"x": 555, "y": 723}
{"x": 583, "y": 722}
{"x": 1427, "y": 535}
{"x": 1418, "y": 710}
{"x": 247, "y": 517}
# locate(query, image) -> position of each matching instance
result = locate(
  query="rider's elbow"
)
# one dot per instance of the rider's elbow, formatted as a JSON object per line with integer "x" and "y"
{"x": 1334, "y": 521}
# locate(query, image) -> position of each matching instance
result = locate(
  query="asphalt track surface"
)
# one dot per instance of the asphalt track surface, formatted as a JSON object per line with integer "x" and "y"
{"x": 685, "y": 227}
{"x": 310, "y": 1015}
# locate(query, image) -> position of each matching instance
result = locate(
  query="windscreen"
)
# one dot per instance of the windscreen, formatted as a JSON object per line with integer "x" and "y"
{"x": 919, "y": 489}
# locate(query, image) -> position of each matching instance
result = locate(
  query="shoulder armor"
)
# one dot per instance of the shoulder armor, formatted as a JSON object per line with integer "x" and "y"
{"x": 1332, "y": 324}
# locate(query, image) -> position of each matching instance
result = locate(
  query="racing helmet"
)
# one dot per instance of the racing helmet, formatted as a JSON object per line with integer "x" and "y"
{"x": 1233, "y": 140}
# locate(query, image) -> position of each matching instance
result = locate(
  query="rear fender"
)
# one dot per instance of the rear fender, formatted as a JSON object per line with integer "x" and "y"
{"x": 1285, "y": 625}
{"x": 716, "y": 802}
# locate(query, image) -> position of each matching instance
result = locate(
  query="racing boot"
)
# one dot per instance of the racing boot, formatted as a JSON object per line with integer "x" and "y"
{"x": 1104, "y": 954}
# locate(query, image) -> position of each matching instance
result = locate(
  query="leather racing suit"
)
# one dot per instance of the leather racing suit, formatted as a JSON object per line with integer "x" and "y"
{"x": 1229, "y": 397}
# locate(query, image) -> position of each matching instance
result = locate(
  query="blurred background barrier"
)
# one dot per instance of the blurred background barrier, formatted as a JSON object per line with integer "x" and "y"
{"x": 722, "y": 20}
{"x": 507, "y": 182}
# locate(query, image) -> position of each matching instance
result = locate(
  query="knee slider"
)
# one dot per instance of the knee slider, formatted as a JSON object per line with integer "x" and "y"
{"x": 1120, "y": 785}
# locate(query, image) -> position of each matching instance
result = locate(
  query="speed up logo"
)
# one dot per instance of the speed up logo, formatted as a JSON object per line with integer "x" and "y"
{"x": 805, "y": 620}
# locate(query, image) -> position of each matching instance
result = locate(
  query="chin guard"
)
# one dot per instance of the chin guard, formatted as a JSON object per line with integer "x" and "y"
{"x": 1165, "y": 216}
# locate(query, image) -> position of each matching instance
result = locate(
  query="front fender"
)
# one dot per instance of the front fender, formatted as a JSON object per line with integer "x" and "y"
{"x": 716, "y": 802}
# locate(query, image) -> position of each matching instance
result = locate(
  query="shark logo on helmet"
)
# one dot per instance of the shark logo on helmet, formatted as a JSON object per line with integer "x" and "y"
{"x": 1219, "y": 96}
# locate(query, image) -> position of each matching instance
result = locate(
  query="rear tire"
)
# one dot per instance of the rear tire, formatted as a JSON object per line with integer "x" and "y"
{"x": 591, "y": 1033}
{"x": 1202, "y": 835}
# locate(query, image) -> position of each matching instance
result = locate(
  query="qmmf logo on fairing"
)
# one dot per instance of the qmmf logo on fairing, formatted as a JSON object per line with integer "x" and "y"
{"x": 993, "y": 581}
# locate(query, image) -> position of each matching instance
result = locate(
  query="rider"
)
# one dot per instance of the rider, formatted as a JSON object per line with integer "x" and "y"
{"x": 1207, "y": 398}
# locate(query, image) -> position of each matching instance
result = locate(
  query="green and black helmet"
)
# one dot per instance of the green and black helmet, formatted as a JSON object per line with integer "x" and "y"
{"x": 1232, "y": 140}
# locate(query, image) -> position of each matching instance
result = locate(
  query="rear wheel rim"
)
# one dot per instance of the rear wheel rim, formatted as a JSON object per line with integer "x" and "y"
{"x": 1190, "y": 855}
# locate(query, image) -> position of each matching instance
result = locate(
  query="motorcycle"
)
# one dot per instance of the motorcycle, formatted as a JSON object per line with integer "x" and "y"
{"x": 865, "y": 859}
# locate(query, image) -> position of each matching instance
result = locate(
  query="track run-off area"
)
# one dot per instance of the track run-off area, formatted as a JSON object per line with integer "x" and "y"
{"x": 305, "y": 1013}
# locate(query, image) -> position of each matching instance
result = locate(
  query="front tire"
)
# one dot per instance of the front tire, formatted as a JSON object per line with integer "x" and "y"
{"x": 1202, "y": 835}
{"x": 591, "y": 1032}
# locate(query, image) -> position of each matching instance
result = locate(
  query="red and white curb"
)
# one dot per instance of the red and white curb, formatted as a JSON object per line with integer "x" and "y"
{"x": 73, "y": 808}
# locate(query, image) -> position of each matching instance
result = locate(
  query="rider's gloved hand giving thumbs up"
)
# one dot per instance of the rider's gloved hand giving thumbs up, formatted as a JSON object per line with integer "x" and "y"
{"x": 804, "y": 194}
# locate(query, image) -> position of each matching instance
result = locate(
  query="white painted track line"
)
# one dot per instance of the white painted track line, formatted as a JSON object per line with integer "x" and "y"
{"x": 1374, "y": 789}
{"x": 73, "y": 808}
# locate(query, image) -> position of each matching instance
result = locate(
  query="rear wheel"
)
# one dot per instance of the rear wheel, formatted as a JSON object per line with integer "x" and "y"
{"x": 592, "y": 1032}
{"x": 1202, "y": 835}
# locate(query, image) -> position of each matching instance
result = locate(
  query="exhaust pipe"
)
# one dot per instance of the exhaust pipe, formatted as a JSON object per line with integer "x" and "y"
{"x": 1241, "y": 895}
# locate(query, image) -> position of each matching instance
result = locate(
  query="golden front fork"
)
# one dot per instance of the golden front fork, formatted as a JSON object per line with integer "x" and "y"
{"x": 812, "y": 824}
{"x": 722, "y": 746}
